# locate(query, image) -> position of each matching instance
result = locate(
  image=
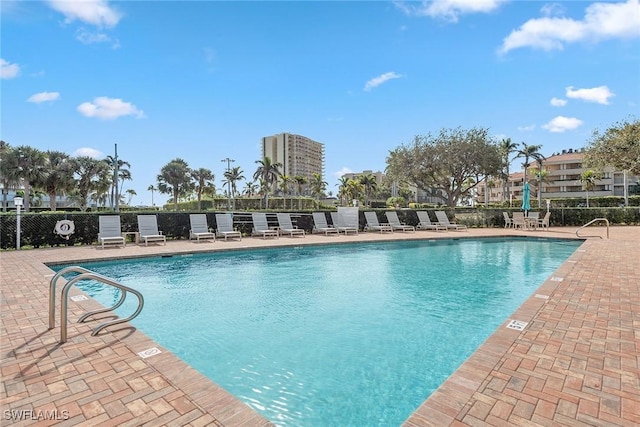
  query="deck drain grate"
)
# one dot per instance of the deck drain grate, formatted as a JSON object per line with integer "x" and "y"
{"x": 77, "y": 298}
{"x": 556, "y": 279}
{"x": 517, "y": 325}
{"x": 149, "y": 352}
{"x": 542, "y": 296}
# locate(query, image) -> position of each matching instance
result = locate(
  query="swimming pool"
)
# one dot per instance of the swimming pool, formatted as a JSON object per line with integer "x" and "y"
{"x": 356, "y": 334}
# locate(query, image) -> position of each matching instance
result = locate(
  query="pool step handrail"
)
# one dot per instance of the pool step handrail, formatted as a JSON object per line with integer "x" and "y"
{"x": 591, "y": 222}
{"x": 86, "y": 274}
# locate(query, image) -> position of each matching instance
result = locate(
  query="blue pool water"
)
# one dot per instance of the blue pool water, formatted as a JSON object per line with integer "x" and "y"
{"x": 356, "y": 334}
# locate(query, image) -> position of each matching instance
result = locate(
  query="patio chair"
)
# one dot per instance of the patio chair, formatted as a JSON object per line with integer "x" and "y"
{"x": 544, "y": 222}
{"x": 286, "y": 227}
{"x": 320, "y": 224}
{"x": 508, "y": 221}
{"x": 148, "y": 229}
{"x": 374, "y": 225}
{"x": 261, "y": 226}
{"x": 518, "y": 220}
{"x": 200, "y": 228}
{"x": 341, "y": 225}
{"x": 224, "y": 227}
{"x": 109, "y": 231}
{"x": 395, "y": 223}
{"x": 444, "y": 220}
{"x": 426, "y": 224}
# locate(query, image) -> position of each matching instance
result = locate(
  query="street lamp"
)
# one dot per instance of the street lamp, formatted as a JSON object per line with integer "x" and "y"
{"x": 18, "y": 202}
{"x": 229, "y": 161}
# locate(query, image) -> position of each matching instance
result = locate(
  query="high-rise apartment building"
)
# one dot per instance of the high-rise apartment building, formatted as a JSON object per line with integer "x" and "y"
{"x": 299, "y": 155}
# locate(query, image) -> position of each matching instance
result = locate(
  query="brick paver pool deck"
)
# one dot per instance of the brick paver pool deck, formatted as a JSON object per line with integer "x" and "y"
{"x": 575, "y": 363}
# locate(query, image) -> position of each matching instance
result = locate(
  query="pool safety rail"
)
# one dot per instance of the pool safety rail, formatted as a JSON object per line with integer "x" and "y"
{"x": 591, "y": 222}
{"x": 85, "y": 274}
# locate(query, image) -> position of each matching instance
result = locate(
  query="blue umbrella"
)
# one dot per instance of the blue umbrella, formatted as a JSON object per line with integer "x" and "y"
{"x": 525, "y": 198}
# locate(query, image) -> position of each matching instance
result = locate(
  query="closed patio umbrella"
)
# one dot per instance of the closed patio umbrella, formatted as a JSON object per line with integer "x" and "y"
{"x": 525, "y": 198}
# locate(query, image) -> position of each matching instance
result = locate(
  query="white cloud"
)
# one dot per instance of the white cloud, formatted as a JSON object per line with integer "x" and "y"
{"x": 600, "y": 94}
{"x": 88, "y": 152}
{"x": 557, "y": 102}
{"x": 382, "y": 78}
{"x": 449, "y": 10}
{"x": 8, "y": 70}
{"x": 553, "y": 9}
{"x": 94, "y": 12}
{"x": 602, "y": 21}
{"x": 85, "y": 36}
{"x": 527, "y": 128}
{"x": 44, "y": 97}
{"x": 109, "y": 108}
{"x": 344, "y": 170}
{"x": 560, "y": 124}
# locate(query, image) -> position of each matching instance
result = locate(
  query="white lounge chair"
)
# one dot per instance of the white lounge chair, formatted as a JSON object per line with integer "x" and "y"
{"x": 261, "y": 226}
{"x": 148, "y": 229}
{"x": 200, "y": 228}
{"x": 544, "y": 222}
{"x": 444, "y": 220}
{"x": 518, "y": 220}
{"x": 109, "y": 231}
{"x": 508, "y": 221}
{"x": 224, "y": 227}
{"x": 339, "y": 222}
{"x": 533, "y": 220}
{"x": 320, "y": 224}
{"x": 286, "y": 227}
{"x": 426, "y": 224}
{"x": 395, "y": 223}
{"x": 374, "y": 225}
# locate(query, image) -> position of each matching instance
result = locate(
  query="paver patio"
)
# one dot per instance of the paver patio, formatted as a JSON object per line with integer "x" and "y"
{"x": 577, "y": 361}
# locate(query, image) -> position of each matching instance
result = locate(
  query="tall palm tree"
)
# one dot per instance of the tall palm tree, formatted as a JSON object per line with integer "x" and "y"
{"x": 203, "y": 178}
{"x": 370, "y": 185}
{"x": 269, "y": 173}
{"x": 131, "y": 193}
{"x": 123, "y": 174}
{"x": 88, "y": 172}
{"x": 588, "y": 180}
{"x": 529, "y": 152}
{"x": 175, "y": 179}
{"x": 232, "y": 176}
{"x": 8, "y": 171}
{"x": 58, "y": 176}
{"x": 506, "y": 148}
{"x": 343, "y": 182}
{"x": 152, "y": 189}
{"x": 300, "y": 181}
{"x": 318, "y": 185}
{"x": 250, "y": 188}
{"x": 30, "y": 164}
{"x": 285, "y": 186}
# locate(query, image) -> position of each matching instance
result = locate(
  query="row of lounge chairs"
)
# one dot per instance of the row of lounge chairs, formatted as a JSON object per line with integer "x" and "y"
{"x": 110, "y": 232}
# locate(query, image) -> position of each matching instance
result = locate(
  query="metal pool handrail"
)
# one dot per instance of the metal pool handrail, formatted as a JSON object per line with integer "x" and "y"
{"x": 591, "y": 222}
{"x": 87, "y": 275}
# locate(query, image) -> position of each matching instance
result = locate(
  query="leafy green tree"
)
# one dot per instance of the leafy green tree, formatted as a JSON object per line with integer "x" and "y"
{"x": 58, "y": 176}
{"x": 88, "y": 172}
{"x": 8, "y": 171}
{"x": 588, "y": 180}
{"x": 175, "y": 179}
{"x": 506, "y": 148}
{"x": 528, "y": 153}
{"x": 370, "y": 185}
{"x": 618, "y": 146}
{"x": 269, "y": 173}
{"x": 204, "y": 185}
{"x": 443, "y": 163}
{"x": 317, "y": 184}
{"x": 31, "y": 164}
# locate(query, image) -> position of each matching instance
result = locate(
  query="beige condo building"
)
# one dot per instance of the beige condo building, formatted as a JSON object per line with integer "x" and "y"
{"x": 299, "y": 155}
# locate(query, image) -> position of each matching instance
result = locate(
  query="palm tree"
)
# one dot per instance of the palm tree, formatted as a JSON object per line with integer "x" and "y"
{"x": 175, "y": 179}
{"x": 152, "y": 189}
{"x": 588, "y": 180}
{"x": 269, "y": 173}
{"x": 529, "y": 152}
{"x": 8, "y": 171}
{"x": 343, "y": 182}
{"x": 123, "y": 174}
{"x": 318, "y": 185}
{"x": 232, "y": 176}
{"x": 300, "y": 182}
{"x": 250, "y": 188}
{"x": 506, "y": 147}
{"x": 58, "y": 176}
{"x": 203, "y": 183}
{"x": 354, "y": 189}
{"x": 30, "y": 164}
{"x": 370, "y": 185}
{"x": 131, "y": 193}
{"x": 88, "y": 171}
{"x": 285, "y": 183}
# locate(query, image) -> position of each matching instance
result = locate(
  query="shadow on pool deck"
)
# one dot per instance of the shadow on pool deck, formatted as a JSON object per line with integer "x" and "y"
{"x": 575, "y": 363}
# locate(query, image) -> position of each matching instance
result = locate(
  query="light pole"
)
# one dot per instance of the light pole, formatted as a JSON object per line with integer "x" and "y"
{"x": 18, "y": 202}
{"x": 229, "y": 161}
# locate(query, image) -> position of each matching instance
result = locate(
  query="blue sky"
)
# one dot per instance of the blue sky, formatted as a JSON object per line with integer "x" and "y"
{"x": 206, "y": 80}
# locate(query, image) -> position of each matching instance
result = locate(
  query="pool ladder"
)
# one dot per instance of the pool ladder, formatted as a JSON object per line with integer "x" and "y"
{"x": 591, "y": 222}
{"x": 64, "y": 300}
